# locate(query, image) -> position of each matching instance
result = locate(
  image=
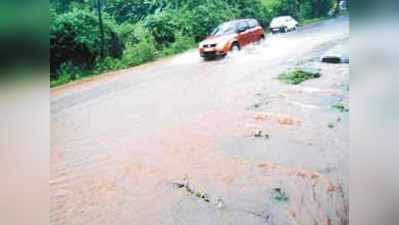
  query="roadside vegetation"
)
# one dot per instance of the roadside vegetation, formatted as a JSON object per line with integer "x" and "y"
{"x": 137, "y": 31}
{"x": 297, "y": 76}
{"x": 340, "y": 107}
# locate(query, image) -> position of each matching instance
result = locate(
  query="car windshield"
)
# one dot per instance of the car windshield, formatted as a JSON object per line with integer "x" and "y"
{"x": 224, "y": 29}
{"x": 280, "y": 19}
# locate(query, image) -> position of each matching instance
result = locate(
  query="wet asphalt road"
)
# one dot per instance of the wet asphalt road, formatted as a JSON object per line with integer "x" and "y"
{"x": 120, "y": 143}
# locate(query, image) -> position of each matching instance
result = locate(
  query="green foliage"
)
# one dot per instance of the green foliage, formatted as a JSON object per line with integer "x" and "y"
{"x": 181, "y": 44}
{"x": 67, "y": 72}
{"x": 108, "y": 64}
{"x": 128, "y": 10}
{"x": 140, "y": 53}
{"x": 279, "y": 195}
{"x": 204, "y": 18}
{"x": 305, "y": 10}
{"x": 340, "y": 107}
{"x": 297, "y": 76}
{"x": 162, "y": 26}
{"x": 75, "y": 38}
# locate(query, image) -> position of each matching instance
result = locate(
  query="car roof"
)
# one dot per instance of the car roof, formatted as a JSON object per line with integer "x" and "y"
{"x": 238, "y": 21}
{"x": 282, "y": 17}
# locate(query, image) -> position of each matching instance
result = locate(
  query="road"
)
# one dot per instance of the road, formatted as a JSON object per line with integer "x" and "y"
{"x": 173, "y": 142}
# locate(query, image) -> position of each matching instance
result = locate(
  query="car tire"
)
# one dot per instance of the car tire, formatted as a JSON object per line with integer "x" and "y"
{"x": 285, "y": 29}
{"x": 260, "y": 39}
{"x": 208, "y": 58}
{"x": 235, "y": 47}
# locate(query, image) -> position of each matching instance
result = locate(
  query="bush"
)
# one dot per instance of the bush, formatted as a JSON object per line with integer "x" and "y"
{"x": 297, "y": 76}
{"x": 130, "y": 11}
{"x": 162, "y": 26}
{"x": 66, "y": 73}
{"x": 75, "y": 38}
{"x": 205, "y": 18}
{"x": 108, "y": 64}
{"x": 140, "y": 53}
{"x": 306, "y": 11}
{"x": 181, "y": 44}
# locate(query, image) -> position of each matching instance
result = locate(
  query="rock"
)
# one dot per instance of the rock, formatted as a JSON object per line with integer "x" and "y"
{"x": 219, "y": 203}
{"x": 258, "y": 133}
{"x": 286, "y": 121}
{"x": 178, "y": 185}
{"x": 261, "y": 117}
{"x": 334, "y": 57}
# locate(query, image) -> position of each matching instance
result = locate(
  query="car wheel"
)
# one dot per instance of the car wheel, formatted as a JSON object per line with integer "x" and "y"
{"x": 235, "y": 48}
{"x": 260, "y": 40}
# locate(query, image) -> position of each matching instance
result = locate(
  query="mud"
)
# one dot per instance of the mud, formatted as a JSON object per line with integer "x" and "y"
{"x": 121, "y": 147}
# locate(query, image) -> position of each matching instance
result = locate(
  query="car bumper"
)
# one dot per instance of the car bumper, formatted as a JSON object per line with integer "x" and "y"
{"x": 211, "y": 52}
{"x": 276, "y": 29}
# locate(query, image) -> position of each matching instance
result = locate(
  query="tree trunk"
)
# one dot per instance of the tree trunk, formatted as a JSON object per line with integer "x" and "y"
{"x": 101, "y": 25}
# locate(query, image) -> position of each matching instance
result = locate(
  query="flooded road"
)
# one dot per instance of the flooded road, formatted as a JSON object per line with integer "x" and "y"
{"x": 184, "y": 141}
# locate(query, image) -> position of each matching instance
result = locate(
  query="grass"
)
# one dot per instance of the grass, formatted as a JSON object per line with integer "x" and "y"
{"x": 133, "y": 56}
{"x": 340, "y": 107}
{"x": 279, "y": 195}
{"x": 297, "y": 76}
{"x": 313, "y": 20}
{"x": 319, "y": 19}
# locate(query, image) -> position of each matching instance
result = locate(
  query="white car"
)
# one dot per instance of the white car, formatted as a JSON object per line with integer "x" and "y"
{"x": 283, "y": 24}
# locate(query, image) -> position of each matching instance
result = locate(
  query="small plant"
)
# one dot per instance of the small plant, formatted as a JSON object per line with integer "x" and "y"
{"x": 297, "y": 76}
{"x": 340, "y": 107}
{"x": 181, "y": 44}
{"x": 279, "y": 195}
{"x": 66, "y": 73}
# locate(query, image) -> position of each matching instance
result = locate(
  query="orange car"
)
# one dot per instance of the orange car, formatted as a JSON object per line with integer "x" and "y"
{"x": 230, "y": 36}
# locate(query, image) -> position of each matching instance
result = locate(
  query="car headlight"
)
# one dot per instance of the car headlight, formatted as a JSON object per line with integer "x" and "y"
{"x": 221, "y": 45}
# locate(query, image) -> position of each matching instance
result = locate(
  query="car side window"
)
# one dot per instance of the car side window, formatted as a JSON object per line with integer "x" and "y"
{"x": 252, "y": 23}
{"x": 242, "y": 25}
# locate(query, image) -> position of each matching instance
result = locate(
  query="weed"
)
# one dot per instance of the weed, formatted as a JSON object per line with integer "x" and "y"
{"x": 297, "y": 76}
{"x": 279, "y": 195}
{"x": 340, "y": 107}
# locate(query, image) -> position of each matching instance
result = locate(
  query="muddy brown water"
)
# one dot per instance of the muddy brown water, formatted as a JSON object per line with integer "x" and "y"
{"x": 118, "y": 144}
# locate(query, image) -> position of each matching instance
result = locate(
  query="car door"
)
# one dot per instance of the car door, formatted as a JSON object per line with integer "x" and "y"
{"x": 244, "y": 34}
{"x": 253, "y": 30}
